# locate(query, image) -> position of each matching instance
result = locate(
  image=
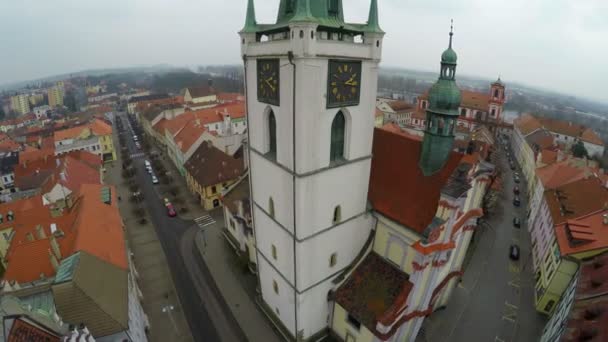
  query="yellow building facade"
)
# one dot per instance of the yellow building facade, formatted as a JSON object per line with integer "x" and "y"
{"x": 55, "y": 95}
{"x": 20, "y": 104}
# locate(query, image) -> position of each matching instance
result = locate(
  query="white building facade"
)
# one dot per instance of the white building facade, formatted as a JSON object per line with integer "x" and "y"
{"x": 310, "y": 215}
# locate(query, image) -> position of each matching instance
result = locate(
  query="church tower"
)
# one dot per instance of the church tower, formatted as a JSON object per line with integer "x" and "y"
{"x": 441, "y": 115}
{"x": 311, "y": 81}
{"x": 497, "y": 99}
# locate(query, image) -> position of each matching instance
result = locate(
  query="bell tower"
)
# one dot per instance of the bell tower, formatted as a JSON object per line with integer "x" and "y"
{"x": 311, "y": 81}
{"x": 441, "y": 115}
{"x": 497, "y": 99}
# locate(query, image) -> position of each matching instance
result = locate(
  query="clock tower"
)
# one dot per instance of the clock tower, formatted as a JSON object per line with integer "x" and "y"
{"x": 311, "y": 81}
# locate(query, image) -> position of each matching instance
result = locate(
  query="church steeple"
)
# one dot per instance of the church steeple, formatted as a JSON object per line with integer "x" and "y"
{"x": 441, "y": 115}
{"x": 303, "y": 12}
{"x": 373, "y": 24}
{"x": 250, "y": 22}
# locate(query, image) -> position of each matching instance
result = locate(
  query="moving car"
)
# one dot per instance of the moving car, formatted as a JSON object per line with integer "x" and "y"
{"x": 516, "y": 222}
{"x": 135, "y": 138}
{"x": 170, "y": 210}
{"x": 154, "y": 179}
{"x": 514, "y": 252}
{"x": 516, "y": 201}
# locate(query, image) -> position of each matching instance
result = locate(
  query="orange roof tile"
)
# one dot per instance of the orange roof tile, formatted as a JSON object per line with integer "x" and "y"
{"x": 99, "y": 227}
{"x": 474, "y": 100}
{"x": 561, "y": 173}
{"x": 69, "y": 133}
{"x": 398, "y": 189}
{"x": 527, "y": 123}
{"x": 576, "y": 199}
{"x": 562, "y": 127}
{"x": 99, "y": 127}
{"x": 33, "y": 155}
{"x": 394, "y": 128}
{"x": 583, "y": 234}
{"x": 548, "y": 156}
{"x": 591, "y": 137}
{"x": 401, "y": 106}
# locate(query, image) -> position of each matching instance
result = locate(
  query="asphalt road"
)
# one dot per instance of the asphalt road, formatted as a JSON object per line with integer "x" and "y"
{"x": 190, "y": 276}
{"x": 495, "y": 301}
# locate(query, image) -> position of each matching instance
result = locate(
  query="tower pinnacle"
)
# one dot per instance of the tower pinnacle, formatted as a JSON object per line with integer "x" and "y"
{"x": 451, "y": 32}
{"x": 373, "y": 24}
{"x": 250, "y": 22}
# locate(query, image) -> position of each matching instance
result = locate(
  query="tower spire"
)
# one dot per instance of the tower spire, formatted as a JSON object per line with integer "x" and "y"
{"x": 451, "y": 32}
{"x": 373, "y": 24}
{"x": 250, "y": 22}
{"x": 303, "y": 11}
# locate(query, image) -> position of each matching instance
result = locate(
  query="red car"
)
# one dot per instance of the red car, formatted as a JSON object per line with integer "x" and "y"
{"x": 170, "y": 210}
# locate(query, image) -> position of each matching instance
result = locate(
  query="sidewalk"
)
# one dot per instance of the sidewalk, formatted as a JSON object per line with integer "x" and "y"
{"x": 154, "y": 278}
{"x": 237, "y": 286}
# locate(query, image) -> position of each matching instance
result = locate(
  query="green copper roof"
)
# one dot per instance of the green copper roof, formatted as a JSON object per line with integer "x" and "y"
{"x": 324, "y": 13}
{"x": 444, "y": 97}
{"x": 449, "y": 56}
{"x": 373, "y": 24}
{"x": 66, "y": 268}
{"x": 250, "y": 22}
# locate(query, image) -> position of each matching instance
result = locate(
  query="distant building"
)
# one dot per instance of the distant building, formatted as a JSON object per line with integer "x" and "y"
{"x": 199, "y": 97}
{"x": 55, "y": 95}
{"x": 152, "y": 99}
{"x": 238, "y": 229}
{"x": 42, "y": 112}
{"x": 20, "y": 103}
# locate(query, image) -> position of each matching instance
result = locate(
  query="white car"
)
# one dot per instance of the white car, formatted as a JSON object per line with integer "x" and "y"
{"x": 147, "y": 163}
{"x": 135, "y": 138}
{"x": 154, "y": 179}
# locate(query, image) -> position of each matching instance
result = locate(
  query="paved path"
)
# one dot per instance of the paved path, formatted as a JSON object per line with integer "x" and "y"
{"x": 495, "y": 301}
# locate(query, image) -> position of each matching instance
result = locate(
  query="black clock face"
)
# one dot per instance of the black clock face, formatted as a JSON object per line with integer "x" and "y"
{"x": 268, "y": 81}
{"x": 343, "y": 83}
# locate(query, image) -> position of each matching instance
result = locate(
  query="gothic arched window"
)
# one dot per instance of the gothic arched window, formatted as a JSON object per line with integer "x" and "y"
{"x": 272, "y": 136}
{"x": 336, "y": 151}
{"x": 496, "y": 93}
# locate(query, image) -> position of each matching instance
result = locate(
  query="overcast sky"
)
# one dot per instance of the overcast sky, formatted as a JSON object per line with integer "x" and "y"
{"x": 554, "y": 44}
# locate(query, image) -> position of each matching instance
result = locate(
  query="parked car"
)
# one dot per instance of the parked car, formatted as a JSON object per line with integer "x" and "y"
{"x": 138, "y": 146}
{"x": 516, "y": 201}
{"x": 170, "y": 210}
{"x": 147, "y": 163}
{"x": 154, "y": 179}
{"x": 516, "y": 179}
{"x": 135, "y": 138}
{"x": 516, "y": 190}
{"x": 516, "y": 222}
{"x": 512, "y": 166}
{"x": 514, "y": 252}
{"x": 166, "y": 200}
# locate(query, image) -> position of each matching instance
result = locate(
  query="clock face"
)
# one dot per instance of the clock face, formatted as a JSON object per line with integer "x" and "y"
{"x": 343, "y": 83}
{"x": 268, "y": 81}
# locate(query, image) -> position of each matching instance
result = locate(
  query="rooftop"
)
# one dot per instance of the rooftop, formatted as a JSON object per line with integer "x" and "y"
{"x": 398, "y": 189}
{"x": 474, "y": 100}
{"x": 584, "y": 234}
{"x": 527, "y": 123}
{"x": 561, "y": 173}
{"x": 372, "y": 290}
{"x": 210, "y": 166}
{"x": 576, "y": 199}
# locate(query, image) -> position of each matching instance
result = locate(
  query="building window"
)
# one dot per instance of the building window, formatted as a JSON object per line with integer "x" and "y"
{"x": 333, "y": 259}
{"x": 271, "y": 207}
{"x": 353, "y": 322}
{"x": 496, "y": 93}
{"x": 549, "y": 305}
{"x": 232, "y": 224}
{"x": 213, "y": 190}
{"x": 463, "y": 112}
{"x": 272, "y": 136}
{"x": 336, "y": 152}
{"x": 273, "y": 249}
{"x": 337, "y": 214}
{"x": 275, "y": 286}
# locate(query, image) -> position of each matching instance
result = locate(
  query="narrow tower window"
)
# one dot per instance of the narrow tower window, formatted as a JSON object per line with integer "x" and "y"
{"x": 271, "y": 207}
{"x": 496, "y": 93}
{"x": 336, "y": 152}
{"x": 272, "y": 136}
{"x": 333, "y": 259}
{"x": 337, "y": 214}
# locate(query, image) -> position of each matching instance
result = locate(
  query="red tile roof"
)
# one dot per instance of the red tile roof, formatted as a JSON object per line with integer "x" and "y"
{"x": 474, "y": 100}
{"x": 398, "y": 189}
{"x": 69, "y": 133}
{"x": 562, "y": 127}
{"x": 562, "y": 173}
{"x": 583, "y": 234}
{"x": 527, "y": 123}
{"x": 30, "y": 156}
{"x": 394, "y": 128}
{"x": 100, "y": 127}
{"x": 401, "y": 106}
{"x": 591, "y": 137}
{"x": 230, "y": 97}
{"x": 210, "y": 166}
{"x": 548, "y": 156}
{"x": 372, "y": 290}
{"x": 576, "y": 199}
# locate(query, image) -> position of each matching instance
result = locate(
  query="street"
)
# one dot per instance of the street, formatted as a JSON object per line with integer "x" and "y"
{"x": 495, "y": 300}
{"x": 206, "y": 312}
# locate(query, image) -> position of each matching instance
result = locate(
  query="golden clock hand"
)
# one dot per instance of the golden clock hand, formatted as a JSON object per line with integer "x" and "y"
{"x": 270, "y": 85}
